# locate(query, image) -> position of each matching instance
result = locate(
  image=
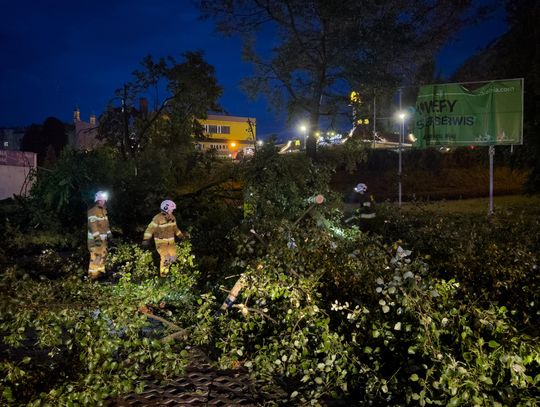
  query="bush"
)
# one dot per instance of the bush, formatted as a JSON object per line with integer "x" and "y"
{"x": 421, "y": 310}
{"x": 91, "y": 336}
{"x": 331, "y": 313}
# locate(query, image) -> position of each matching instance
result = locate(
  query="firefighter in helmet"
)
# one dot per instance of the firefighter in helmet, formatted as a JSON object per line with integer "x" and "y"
{"x": 99, "y": 234}
{"x": 164, "y": 230}
{"x": 366, "y": 209}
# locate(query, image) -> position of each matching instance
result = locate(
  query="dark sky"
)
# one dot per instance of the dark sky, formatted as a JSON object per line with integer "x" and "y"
{"x": 58, "y": 54}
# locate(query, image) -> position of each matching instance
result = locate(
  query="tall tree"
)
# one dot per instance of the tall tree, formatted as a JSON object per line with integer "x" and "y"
{"x": 321, "y": 49}
{"x": 189, "y": 90}
{"x": 54, "y": 133}
{"x": 38, "y": 138}
{"x": 33, "y": 140}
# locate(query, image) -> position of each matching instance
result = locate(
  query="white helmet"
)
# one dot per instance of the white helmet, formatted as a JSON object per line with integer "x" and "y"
{"x": 360, "y": 188}
{"x": 101, "y": 196}
{"x": 167, "y": 206}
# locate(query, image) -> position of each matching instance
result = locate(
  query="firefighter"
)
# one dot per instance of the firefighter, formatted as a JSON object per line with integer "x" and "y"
{"x": 164, "y": 230}
{"x": 366, "y": 209}
{"x": 99, "y": 234}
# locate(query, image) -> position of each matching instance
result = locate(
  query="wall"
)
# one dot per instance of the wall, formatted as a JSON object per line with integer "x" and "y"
{"x": 15, "y": 167}
{"x": 236, "y": 139}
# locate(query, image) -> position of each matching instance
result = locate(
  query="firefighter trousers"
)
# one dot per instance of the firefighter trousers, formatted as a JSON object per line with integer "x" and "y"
{"x": 167, "y": 254}
{"x": 98, "y": 256}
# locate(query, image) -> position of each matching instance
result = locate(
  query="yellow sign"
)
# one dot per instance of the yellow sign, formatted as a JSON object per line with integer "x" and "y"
{"x": 355, "y": 97}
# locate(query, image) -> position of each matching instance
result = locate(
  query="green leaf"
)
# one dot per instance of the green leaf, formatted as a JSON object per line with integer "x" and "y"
{"x": 7, "y": 394}
{"x": 486, "y": 379}
{"x": 493, "y": 344}
{"x": 454, "y": 401}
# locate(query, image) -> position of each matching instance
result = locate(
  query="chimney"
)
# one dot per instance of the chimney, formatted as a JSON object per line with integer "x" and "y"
{"x": 76, "y": 115}
{"x": 92, "y": 119}
{"x": 143, "y": 106}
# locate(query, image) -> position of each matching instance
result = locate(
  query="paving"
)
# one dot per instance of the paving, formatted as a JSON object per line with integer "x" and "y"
{"x": 201, "y": 385}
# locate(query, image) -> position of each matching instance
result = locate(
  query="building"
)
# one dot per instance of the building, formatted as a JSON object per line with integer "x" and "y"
{"x": 16, "y": 168}
{"x": 84, "y": 134}
{"x": 11, "y": 138}
{"x": 229, "y": 136}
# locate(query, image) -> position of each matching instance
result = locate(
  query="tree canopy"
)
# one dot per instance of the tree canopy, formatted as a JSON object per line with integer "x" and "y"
{"x": 314, "y": 52}
{"x": 46, "y": 139}
{"x": 182, "y": 93}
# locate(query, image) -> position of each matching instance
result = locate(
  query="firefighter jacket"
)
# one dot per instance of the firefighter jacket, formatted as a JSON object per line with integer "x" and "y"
{"x": 367, "y": 210}
{"x": 163, "y": 228}
{"x": 98, "y": 226}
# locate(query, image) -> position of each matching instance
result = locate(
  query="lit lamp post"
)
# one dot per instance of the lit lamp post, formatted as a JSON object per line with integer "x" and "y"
{"x": 303, "y": 129}
{"x": 402, "y": 116}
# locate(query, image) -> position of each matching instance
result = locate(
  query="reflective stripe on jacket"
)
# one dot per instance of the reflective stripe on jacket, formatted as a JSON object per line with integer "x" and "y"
{"x": 163, "y": 228}
{"x": 98, "y": 224}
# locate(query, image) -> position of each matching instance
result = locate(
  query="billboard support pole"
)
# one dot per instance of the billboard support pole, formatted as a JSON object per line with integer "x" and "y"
{"x": 491, "y": 154}
{"x": 400, "y": 147}
{"x": 374, "y": 116}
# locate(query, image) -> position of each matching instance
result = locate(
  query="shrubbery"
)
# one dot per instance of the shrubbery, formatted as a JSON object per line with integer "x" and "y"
{"x": 69, "y": 342}
{"x": 419, "y": 310}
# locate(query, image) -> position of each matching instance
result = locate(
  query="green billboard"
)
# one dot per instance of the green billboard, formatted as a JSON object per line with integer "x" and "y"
{"x": 452, "y": 115}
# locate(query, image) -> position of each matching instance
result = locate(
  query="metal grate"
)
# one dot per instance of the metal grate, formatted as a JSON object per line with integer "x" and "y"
{"x": 201, "y": 385}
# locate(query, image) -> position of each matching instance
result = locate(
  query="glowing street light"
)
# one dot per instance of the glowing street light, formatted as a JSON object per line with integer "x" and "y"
{"x": 303, "y": 129}
{"x": 401, "y": 116}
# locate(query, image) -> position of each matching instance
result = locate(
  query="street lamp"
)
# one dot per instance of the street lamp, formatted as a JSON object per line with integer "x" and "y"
{"x": 303, "y": 128}
{"x": 401, "y": 116}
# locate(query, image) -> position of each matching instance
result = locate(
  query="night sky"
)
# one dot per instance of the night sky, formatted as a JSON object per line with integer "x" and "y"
{"x": 59, "y": 54}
